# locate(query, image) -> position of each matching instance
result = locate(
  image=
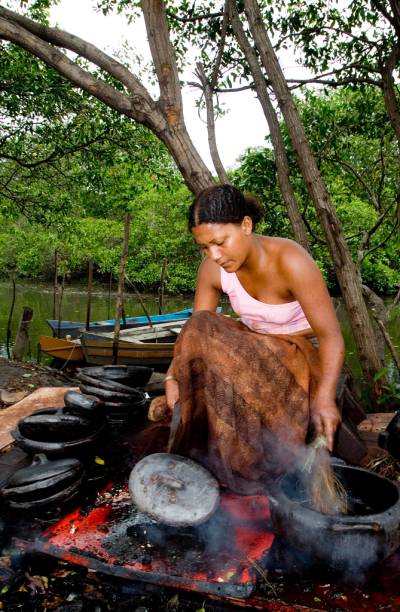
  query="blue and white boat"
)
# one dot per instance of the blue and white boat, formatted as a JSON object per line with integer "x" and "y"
{"x": 63, "y": 328}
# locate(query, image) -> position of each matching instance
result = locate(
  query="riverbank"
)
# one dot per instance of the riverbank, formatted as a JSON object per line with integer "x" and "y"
{"x": 18, "y": 379}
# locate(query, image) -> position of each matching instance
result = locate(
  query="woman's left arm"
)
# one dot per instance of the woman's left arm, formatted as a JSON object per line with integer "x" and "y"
{"x": 308, "y": 287}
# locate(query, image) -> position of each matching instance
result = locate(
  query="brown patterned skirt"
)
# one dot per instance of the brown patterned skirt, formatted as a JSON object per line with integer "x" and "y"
{"x": 244, "y": 399}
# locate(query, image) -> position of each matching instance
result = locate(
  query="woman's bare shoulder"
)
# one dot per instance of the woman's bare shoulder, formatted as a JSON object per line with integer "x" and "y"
{"x": 210, "y": 273}
{"x": 283, "y": 248}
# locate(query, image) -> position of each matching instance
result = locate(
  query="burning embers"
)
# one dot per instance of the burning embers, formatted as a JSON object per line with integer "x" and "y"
{"x": 214, "y": 557}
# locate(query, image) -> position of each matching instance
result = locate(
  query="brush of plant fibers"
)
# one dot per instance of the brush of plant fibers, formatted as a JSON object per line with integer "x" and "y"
{"x": 325, "y": 492}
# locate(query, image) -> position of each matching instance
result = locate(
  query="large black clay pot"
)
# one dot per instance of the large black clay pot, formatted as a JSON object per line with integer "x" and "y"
{"x": 59, "y": 446}
{"x": 351, "y": 544}
{"x": 54, "y": 425}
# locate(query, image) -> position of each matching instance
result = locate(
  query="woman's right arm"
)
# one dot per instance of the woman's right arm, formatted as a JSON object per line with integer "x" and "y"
{"x": 208, "y": 286}
{"x": 208, "y": 292}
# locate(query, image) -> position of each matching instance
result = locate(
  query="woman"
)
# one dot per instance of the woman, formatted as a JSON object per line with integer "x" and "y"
{"x": 279, "y": 293}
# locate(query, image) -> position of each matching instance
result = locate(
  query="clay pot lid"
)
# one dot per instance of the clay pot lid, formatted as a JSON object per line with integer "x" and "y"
{"x": 174, "y": 490}
{"x": 42, "y": 469}
{"x": 83, "y": 404}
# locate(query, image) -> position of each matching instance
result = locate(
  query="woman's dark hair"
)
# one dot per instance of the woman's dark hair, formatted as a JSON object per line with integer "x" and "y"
{"x": 223, "y": 204}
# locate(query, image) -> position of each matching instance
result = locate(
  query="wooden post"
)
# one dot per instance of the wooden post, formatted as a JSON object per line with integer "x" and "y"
{"x": 60, "y": 299}
{"x": 109, "y": 296}
{"x": 120, "y": 291}
{"x": 8, "y": 337}
{"x": 22, "y": 337}
{"x": 89, "y": 293}
{"x": 161, "y": 288}
{"x": 55, "y": 285}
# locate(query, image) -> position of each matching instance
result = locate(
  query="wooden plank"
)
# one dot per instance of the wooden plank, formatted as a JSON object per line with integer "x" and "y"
{"x": 373, "y": 425}
{"x": 44, "y": 397}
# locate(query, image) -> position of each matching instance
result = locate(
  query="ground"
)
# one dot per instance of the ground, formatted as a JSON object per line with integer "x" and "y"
{"x": 28, "y": 376}
{"x": 30, "y": 581}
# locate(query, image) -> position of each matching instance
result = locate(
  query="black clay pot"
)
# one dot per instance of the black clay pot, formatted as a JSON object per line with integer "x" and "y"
{"x": 83, "y": 405}
{"x": 134, "y": 413}
{"x": 106, "y": 395}
{"x": 133, "y": 376}
{"x": 109, "y": 385}
{"x": 352, "y": 544}
{"x": 43, "y": 483}
{"x": 54, "y": 425}
{"x": 390, "y": 438}
{"x": 59, "y": 447}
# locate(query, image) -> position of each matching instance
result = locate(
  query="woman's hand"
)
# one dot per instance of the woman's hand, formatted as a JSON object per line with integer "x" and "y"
{"x": 325, "y": 418}
{"x": 171, "y": 392}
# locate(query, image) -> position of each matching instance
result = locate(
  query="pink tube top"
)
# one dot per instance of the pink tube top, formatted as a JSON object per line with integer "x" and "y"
{"x": 260, "y": 317}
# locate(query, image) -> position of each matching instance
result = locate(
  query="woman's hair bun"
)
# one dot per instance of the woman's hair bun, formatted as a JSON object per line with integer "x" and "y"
{"x": 223, "y": 204}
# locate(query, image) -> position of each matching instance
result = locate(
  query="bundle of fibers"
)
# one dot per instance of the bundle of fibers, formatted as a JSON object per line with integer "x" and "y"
{"x": 325, "y": 492}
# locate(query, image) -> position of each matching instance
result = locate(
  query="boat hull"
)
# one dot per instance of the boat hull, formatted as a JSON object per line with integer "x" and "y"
{"x": 59, "y": 348}
{"x": 153, "y": 354}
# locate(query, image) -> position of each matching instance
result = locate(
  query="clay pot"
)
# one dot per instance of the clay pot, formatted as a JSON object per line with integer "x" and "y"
{"x": 106, "y": 395}
{"x": 54, "y": 425}
{"x": 57, "y": 446}
{"x": 82, "y": 405}
{"x": 134, "y": 376}
{"x": 352, "y": 544}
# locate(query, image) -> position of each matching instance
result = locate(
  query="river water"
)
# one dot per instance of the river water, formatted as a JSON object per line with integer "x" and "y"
{"x": 39, "y": 297}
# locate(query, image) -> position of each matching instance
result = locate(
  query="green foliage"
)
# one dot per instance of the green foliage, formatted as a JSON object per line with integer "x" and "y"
{"x": 354, "y": 37}
{"x": 158, "y": 231}
{"x": 357, "y": 153}
{"x": 390, "y": 397}
{"x": 257, "y": 175}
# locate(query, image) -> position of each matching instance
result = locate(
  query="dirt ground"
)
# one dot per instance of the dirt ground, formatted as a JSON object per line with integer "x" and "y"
{"x": 28, "y": 376}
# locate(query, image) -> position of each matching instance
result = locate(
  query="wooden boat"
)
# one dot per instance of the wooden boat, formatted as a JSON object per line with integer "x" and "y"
{"x": 60, "y": 348}
{"x": 63, "y": 328}
{"x": 152, "y": 346}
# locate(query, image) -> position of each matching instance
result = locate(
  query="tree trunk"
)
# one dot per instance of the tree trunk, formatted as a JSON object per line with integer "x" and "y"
{"x": 212, "y": 141}
{"x": 344, "y": 266}
{"x": 389, "y": 91}
{"x": 282, "y": 164}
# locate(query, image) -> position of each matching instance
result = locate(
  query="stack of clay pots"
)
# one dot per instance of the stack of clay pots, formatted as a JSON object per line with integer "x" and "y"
{"x": 71, "y": 430}
{"x": 120, "y": 389}
{"x": 44, "y": 483}
{"x": 59, "y": 439}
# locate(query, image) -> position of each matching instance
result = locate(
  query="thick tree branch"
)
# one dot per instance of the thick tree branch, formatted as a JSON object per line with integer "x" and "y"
{"x": 193, "y": 18}
{"x": 164, "y": 118}
{"x": 164, "y": 60}
{"x": 53, "y": 57}
{"x": 392, "y": 19}
{"x": 62, "y": 39}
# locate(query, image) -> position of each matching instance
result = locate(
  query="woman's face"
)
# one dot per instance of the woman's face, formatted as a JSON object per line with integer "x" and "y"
{"x": 227, "y": 244}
